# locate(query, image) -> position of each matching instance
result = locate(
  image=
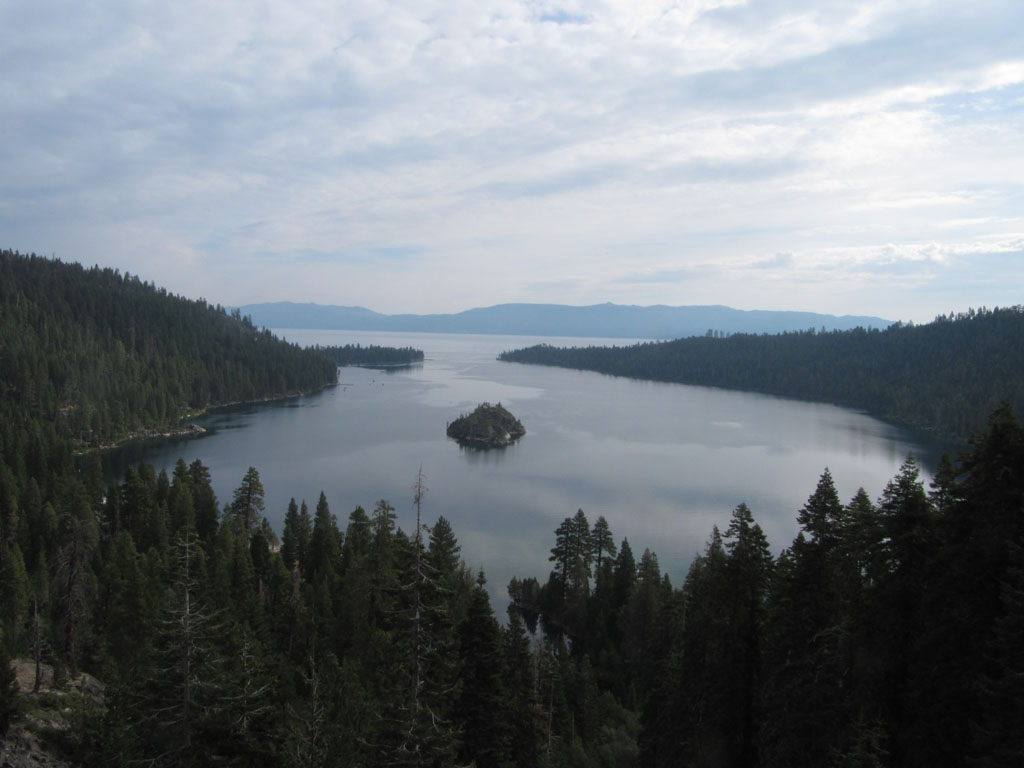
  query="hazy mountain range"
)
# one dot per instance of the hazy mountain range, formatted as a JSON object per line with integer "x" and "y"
{"x": 597, "y": 320}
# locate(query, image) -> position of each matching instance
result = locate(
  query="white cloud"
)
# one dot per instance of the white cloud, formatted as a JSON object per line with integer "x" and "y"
{"x": 607, "y": 150}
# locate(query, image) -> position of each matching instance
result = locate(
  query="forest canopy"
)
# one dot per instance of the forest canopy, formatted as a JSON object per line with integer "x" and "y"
{"x": 887, "y": 633}
{"x": 371, "y": 356}
{"x": 944, "y": 377}
{"x": 220, "y": 639}
{"x": 99, "y": 356}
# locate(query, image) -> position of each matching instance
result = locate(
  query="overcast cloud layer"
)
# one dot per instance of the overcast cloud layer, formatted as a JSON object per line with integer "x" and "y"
{"x": 842, "y": 156}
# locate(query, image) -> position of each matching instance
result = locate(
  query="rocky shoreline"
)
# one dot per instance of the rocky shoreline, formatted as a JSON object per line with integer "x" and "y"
{"x": 191, "y": 429}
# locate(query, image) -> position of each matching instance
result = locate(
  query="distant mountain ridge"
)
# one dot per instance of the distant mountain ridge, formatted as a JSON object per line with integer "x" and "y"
{"x": 593, "y": 321}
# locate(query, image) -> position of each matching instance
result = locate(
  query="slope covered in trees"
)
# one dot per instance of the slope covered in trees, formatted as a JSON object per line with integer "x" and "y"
{"x": 886, "y": 634}
{"x": 944, "y": 377}
{"x": 96, "y": 356}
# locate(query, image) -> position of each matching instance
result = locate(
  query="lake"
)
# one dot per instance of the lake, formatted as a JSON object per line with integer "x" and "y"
{"x": 662, "y": 462}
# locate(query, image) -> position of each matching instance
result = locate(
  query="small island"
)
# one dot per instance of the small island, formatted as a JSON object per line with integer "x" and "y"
{"x": 489, "y": 426}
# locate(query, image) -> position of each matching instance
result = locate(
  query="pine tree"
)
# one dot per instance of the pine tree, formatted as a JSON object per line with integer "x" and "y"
{"x": 748, "y": 571}
{"x": 625, "y": 574}
{"x": 290, "y": 535}
{"x": 9, "y": 691}
{"x": 453, "y": 577}
{"x": 998, "y": 740}
{"x": 681, "y": 714}
{"x": 15, "y": 596}
{"x": 247, "y": 503}
{"x": 481, "y": 709}
{"x": 811, "y": 644}
{"x": 568, "y": 589}
{"x": 357, "y": 539}
{"x": 639, "y": 622}
{"x": 80, "y": 536}
{"x": 307, "y": 744}
{"x": 204, "y": 502}
{"x": 127, "y": 607}
{"x": 899, "y": 578}
{"x": 979, "y": 540}
{"x": 180, "y": 504}
{"x": 182, "y": 693}
{"x": 572, "y": 555}
{"x": 520, "y": 685}
{"x": 244, "y": 720}
{"x": 944, "y": 493}
{"x": 425, "y": 632}
{"x": 604, "y": 548}
{"x": 325, "y": 544}
{"x": 821, "y": 518}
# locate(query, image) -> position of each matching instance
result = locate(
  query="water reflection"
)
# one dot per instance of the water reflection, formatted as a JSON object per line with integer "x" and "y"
{"x": 484, "y": 455}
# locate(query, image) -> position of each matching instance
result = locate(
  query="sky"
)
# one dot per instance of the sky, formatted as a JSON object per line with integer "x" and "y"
{"x": 837, "y": 156}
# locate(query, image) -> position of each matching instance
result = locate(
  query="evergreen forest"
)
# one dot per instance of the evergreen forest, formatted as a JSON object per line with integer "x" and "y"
{"x": 372, "y": 355}
{"x": 887, "y": 633}
{"x": 943, "y": 377}
{"x": 95, "y": 356}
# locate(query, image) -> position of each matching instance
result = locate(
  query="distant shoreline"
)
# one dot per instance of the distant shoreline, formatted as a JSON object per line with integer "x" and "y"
{"x": 599, "y": 321}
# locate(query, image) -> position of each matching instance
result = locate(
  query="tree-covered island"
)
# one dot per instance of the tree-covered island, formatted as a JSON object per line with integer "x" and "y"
{"x": 489, "y": 426}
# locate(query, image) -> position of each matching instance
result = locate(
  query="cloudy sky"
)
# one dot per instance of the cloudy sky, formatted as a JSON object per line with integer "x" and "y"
{"x": 842, "y": 156}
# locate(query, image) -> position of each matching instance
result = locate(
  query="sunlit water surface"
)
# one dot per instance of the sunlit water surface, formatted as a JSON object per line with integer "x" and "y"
{"x": 662, "y": 462}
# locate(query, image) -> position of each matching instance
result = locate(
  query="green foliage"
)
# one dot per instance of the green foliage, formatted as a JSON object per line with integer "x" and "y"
{"x": 247, "y": 505}
{"x": 100, "y": 356}
{"x": 925, "y": 376}
{"x": 384, "y": 651}
{"x": 8, "y": 689}
{"x": 481, "y": 704}
{"x": 371, "y": 356}
{"x": 15, "y": 594}
{"x": 997, "y": 736}
{"x": 487, "y": 426}
{"x": 325, "y": 544}
{"x": 886, "y": 634}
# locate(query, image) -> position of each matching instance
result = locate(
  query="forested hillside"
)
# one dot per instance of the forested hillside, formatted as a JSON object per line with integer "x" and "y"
{"x": 887, "y": 634}
{"x": 96, "y": 356}
{"x": 944, "y": 377}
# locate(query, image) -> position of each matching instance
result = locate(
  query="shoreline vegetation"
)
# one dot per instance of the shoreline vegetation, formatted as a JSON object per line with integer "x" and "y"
{"x": 217, "y": 639}
{"x": 371, "y": 356}
{"x": 602, "y": 656}
{"x": 91, "y": 356}
{"x": 191, "y": 428}
{"x": 102, "y": 358}
{"x": 915, "y": 376}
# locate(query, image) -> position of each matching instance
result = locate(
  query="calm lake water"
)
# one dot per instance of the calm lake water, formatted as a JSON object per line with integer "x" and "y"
{"x": 662, "y": 462}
